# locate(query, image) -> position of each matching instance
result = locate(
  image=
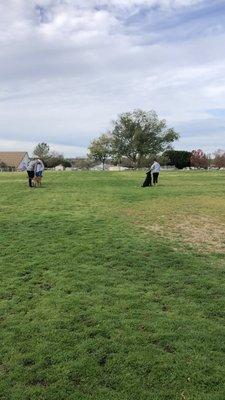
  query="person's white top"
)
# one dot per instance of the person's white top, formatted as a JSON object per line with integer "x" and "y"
{"x": 155, "y": 167}
{"x": 39, "y": 166}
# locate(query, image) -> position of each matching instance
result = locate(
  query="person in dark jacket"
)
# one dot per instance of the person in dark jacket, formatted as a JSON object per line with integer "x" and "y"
{"x": 30, "y": 171}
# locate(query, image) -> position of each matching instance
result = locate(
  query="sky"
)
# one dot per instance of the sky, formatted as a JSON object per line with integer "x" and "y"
{"x": 68, "y": 68}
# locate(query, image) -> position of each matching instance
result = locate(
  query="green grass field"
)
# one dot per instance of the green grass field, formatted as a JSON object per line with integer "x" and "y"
{"x": 110, "y": 291}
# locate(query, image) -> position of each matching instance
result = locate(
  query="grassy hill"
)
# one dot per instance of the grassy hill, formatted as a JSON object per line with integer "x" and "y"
{"x": 112, "y": 291}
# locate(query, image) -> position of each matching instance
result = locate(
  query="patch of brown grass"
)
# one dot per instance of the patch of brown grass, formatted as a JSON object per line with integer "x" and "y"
{"x": 204, "y": 233}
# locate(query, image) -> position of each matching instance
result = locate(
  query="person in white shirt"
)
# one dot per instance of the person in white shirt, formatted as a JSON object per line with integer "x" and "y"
{"x": 155, "y": 168}
{"x": 38, "y": 172}
{"x": 39, "y": 168}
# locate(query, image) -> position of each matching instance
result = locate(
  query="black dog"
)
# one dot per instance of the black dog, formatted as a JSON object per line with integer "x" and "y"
{"x": 148, "y": 179}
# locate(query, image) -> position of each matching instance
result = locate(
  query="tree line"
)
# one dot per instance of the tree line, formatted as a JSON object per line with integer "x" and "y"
{"x": 134, "y": 140}
{"x": 138, "y": 137}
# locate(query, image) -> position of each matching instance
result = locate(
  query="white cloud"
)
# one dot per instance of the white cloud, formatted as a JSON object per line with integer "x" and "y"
{"x": 69, "y": 67}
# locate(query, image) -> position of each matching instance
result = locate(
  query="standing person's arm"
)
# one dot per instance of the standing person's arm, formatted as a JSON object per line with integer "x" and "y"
{"x": 152, "y": 167}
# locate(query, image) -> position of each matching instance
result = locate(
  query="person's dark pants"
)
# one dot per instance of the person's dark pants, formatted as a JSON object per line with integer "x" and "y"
{"x": 30, "y": 176}
{"x": 148, "y": 180}
{"x": 155, "y": 177}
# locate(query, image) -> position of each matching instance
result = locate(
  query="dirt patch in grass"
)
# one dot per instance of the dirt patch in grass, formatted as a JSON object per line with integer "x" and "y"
{"x": 206, "y": 234}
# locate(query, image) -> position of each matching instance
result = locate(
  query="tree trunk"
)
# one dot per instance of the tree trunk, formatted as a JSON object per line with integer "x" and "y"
{"x": 139, "y": 160}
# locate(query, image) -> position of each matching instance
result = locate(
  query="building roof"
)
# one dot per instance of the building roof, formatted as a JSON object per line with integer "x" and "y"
{"x": 12, "y": 158}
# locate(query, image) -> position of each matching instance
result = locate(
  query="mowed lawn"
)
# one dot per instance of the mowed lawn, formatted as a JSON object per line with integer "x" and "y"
{"x": 112, "y": 291}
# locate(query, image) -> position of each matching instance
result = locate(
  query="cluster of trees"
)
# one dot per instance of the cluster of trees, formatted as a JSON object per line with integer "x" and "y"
{"x": 50, "y": 158}
{"x": 177, "y": 158}
{"x": 135, "y": 139}
{"x": 195, "y": 159}
{"x": 183, "y": 159}
{"x": 138, "y": 136}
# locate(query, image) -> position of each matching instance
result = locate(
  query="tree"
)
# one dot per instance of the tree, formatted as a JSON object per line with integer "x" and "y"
{"x": 138, "y": 134}
{"x": 219, "y": 160}
{"x": 42, "y": 151}
{"x": 125, "y": 162}
{"x": 55, "y": 159}
{"x": 82, "y": 162}
{"x": 180, "y": 159}
{"x": 50, "y": 159}
{"x": 66, "y": 163}
{"x": 100, "y": 149}
{"x": 199, "y": 159}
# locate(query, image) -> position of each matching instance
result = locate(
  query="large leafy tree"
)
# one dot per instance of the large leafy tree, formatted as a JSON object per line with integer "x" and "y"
{"x": 138, "y": 134}
{"x": 100, "y": 149}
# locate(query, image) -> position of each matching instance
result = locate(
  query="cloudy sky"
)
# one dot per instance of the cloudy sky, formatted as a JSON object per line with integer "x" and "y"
{"x": 69, "y": 67}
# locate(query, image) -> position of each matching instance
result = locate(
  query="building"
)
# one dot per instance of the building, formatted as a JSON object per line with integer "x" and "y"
{"x": 13, "y": 160}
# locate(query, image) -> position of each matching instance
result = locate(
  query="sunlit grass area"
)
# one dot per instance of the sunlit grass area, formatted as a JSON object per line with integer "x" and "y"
{"x": 112, "y": 291}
